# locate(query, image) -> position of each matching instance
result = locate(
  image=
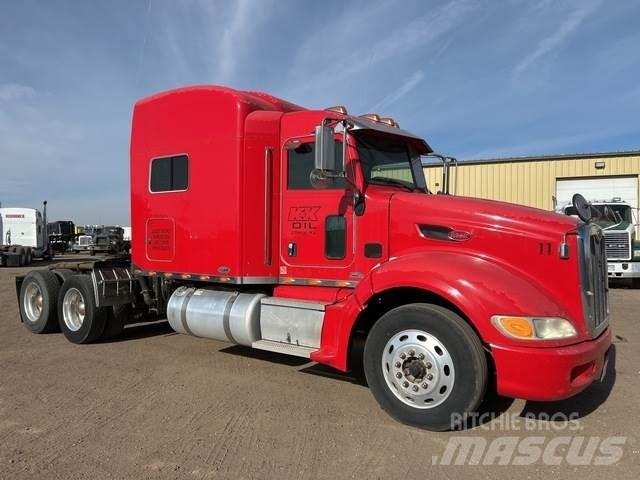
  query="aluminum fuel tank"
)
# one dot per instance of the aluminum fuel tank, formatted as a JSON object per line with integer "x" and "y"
{"x": 228, "y": 316}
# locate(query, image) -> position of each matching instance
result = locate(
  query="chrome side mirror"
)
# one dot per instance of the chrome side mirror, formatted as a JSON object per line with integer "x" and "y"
{"x": 325, "y": 153}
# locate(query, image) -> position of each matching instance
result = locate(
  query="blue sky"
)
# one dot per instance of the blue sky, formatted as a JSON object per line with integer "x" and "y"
{"x": 477, "y": 79}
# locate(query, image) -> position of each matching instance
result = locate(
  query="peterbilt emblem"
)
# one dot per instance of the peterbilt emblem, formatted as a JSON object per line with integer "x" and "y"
{"x": 459, "y": 235}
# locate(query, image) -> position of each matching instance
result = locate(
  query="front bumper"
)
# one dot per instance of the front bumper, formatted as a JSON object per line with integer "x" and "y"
{"x": 548, "y": 374}
{"x": 623, "y": 269}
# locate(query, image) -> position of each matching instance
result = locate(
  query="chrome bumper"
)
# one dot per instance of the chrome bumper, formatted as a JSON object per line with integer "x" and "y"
{"x": 623, "y": 269}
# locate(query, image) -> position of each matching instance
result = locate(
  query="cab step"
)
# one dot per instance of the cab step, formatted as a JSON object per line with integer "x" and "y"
{"x": 285, "y": 348}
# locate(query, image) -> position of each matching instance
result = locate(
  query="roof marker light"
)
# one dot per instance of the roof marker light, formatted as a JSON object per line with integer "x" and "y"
{"x": 389, "y": 121}
{"x": 371, "y": 116}
{"x": 338, "y": 109}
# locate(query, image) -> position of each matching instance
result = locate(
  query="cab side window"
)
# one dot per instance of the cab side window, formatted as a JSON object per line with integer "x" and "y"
{"x": 300, "y": 163}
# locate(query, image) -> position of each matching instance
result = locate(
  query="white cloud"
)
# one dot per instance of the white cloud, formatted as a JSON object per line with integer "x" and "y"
{"x": 558, "y": 37}
{"x": 232, "y": 32}
{"x": 14, "y": 91}
{"x": 359, "y": 41}
{"x": 402, "y": 90}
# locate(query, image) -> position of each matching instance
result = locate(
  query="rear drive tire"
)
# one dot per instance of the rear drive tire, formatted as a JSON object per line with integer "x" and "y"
{"x": 29, "y": 256}
{"x": 63, "y": 274}
{"x": 425, "y": 366}
{"x": 38, "y": 301}
{"x": 79, "y": 319}
{"x": 117, "y": 317}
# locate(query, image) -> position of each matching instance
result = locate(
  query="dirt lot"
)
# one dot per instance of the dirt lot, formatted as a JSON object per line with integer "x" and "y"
{"x": 161, "y": 405}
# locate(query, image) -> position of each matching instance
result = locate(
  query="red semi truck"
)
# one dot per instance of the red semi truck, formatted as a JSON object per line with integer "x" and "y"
{"x": 259, "y": 222}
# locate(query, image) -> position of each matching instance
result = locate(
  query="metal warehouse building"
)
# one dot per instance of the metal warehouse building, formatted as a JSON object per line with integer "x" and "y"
{"x": 535, "y": 181}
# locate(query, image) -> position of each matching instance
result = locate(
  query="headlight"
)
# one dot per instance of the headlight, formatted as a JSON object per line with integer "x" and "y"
{"x": 534, "y": 328}
{"x": 636, "y": 253}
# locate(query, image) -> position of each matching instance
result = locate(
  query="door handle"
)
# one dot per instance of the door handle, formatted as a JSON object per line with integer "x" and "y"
{"x": 292, "y": 249}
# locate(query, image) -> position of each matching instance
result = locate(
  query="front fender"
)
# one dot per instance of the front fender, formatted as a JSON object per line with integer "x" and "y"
{"x": 478, "y": 286}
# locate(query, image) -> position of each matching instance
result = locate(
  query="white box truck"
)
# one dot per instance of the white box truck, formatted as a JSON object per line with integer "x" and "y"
{"x": 23, "y": 236}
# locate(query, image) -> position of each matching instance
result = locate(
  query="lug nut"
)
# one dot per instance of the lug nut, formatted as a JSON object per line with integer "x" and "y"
{"x": 428, "y": 365}
{"x": 429, "y": 377}
{"x": 415, "y": 388}
{"x": 425, "y": 385}
{"x": 405, "y": 384}
{"x": 421, "y": 356}
{"x": 398, "y": 375}
{"x": 412, "y": 352}
{"x": 398, "y": 364}
{"x": 403, "y": 356}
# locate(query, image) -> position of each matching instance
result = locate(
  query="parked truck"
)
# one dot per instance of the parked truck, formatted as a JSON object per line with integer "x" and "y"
{"x": 23, "y": 236}
{"x": 61, "y": 235}
{"x": 261, "y": 223}
{"x": 616, "y": 218}
{"x": 106, "y": 239}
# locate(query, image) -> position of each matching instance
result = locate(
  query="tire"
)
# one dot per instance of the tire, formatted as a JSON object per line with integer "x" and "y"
{"x": 92, "y": 252}
{"x": 29, "y": 256}
{"x": 635, "y": 283}
{"x": 39, "y": 315}
{"x": 118, "y": 315}
{"x": 63, "y": 274}
{"x": 79, "y": 319}
{"x": 425, "y": 366}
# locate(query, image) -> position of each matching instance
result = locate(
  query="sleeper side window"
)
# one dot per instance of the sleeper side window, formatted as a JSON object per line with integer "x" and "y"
{"x": 169, "y": 174}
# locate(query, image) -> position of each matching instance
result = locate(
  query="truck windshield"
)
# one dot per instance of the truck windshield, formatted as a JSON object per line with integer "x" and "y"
{"x": 389, "y": 160}
{"x": 613, "y": 213}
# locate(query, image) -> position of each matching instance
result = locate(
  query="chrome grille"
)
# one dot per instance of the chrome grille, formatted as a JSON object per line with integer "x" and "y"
{"x": 618, "y": 245}
{"x": 84, "y": 240}
{"x": 593, "y": 270}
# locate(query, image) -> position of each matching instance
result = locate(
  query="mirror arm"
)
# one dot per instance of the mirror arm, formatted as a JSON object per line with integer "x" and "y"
{"x": 358, "y": 195}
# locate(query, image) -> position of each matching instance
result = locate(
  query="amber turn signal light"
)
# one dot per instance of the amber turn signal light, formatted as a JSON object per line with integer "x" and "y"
{"x": 515, "y": 326}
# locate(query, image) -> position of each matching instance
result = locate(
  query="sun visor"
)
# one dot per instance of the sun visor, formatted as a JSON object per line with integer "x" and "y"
{"x": 363, "y": 125}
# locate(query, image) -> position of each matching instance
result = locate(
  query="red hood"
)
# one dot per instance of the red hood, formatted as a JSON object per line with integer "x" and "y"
{"x": 487, "y": 214}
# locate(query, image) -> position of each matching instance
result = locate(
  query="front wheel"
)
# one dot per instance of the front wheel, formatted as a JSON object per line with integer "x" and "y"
{"x": 425, "y": 366}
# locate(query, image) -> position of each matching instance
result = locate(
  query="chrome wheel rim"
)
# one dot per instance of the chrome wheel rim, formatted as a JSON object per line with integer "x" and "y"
{"x": 73, "y": 309}
{"x": 418, "y": 369}
{"x": 33, "y": 302}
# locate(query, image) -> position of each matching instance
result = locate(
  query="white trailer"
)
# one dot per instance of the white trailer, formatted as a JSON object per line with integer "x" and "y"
{"x": 23, "y": 236}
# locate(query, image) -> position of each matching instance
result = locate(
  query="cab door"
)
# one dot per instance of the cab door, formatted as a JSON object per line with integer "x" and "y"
{"x": 317, "y": 230}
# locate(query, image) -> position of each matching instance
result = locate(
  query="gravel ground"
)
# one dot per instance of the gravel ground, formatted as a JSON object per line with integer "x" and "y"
{"x": 156, "y": 404}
